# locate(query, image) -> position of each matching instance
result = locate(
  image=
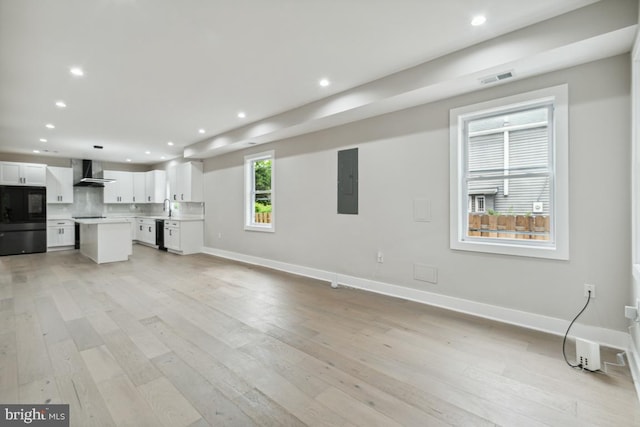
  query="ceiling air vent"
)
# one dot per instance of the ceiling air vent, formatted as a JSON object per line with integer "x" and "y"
{"x": 497, "y": 78}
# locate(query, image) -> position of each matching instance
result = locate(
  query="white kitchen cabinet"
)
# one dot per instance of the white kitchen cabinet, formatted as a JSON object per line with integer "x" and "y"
{"x": 146, "y": 231}
{"x": 60, "y": 234}
{"x": 139, "y": 187}
{"x": 156, "y": 186}
{"x": 172, "y": 236}
{"x": 59, "y": 185}
{"x": 12, "y": 173}
{"x": 120, "y": 191}
{"x": 185, "y": 182}
{"x": 183, "y": 237}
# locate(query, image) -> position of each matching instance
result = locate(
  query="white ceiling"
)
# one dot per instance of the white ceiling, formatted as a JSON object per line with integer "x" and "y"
{"x": 159, "y": 70}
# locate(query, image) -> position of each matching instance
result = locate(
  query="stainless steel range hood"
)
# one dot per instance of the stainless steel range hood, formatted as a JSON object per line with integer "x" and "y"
{"x": 88, "y": 173}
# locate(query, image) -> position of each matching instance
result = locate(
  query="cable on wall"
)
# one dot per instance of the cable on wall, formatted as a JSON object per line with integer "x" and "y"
{"x": 564, "y": 341}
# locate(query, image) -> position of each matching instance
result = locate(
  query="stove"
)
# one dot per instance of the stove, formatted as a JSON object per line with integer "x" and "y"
{"x": 87, "y": 217}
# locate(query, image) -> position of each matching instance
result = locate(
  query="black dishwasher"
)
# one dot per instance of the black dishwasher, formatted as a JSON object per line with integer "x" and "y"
{"x": 160, "y": 234}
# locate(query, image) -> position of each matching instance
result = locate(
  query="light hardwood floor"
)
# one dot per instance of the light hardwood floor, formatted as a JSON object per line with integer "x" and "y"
{"x": 165, "y": 340}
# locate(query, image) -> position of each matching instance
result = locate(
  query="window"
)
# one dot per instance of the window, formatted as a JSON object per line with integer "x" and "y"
{"x": 479, "y": 204}
{"x": 509, "y": 175}
{"x": 259, "y": 192}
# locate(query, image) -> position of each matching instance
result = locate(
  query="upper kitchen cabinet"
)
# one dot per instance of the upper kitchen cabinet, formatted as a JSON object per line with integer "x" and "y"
{"x": 156, "y": 186}
{"x": 185, "y": 182}
{"x": 59, "y": 185}
{"x": 33, "y": 174}
{"x": 120, "y": 191}
{"x": 139, "y": 187}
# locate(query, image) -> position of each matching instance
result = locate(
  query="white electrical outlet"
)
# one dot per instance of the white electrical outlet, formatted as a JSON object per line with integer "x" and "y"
{"x": 588, "y": 288}
{"x": 380, "y": 257}
{"x": 633, "y": 311}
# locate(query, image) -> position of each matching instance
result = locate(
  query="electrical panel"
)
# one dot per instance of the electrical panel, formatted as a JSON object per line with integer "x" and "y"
{"x": 348, "y": 181}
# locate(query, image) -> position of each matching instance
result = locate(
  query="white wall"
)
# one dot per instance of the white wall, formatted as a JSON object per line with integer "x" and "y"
{"x": 635, "y": 208}
{"x": 405, "y": 155}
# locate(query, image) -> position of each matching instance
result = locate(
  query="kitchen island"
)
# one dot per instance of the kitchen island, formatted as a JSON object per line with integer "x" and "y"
{"x": 105, "y": 239}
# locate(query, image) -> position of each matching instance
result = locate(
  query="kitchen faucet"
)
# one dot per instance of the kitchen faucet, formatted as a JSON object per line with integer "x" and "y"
{"x": 163, "y": 208}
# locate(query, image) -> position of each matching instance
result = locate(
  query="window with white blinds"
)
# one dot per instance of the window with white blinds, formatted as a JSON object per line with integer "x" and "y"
{"x": 513, "y": 155}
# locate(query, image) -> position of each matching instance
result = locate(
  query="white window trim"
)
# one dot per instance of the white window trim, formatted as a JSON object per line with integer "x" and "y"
{"x": 249, "y": 224}
{"x": 557, "y": 249}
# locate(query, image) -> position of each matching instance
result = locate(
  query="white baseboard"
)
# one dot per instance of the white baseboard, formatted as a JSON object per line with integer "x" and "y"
{"x": 552, "y": 325}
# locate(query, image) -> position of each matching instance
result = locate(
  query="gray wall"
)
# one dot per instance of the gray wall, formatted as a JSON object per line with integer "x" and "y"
{"x": 405, "y": 155}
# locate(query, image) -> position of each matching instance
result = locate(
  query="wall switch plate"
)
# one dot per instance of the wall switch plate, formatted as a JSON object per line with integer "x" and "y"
{"x": 588, "y": 288}
{"x": 588, "y": 354}
{"x": 421, "y": 210}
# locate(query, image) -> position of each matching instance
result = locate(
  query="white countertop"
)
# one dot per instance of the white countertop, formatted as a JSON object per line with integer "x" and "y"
{"x": 181, "y": 218}
{"x": 121, "y": 218}
{"x": 101, "y": 220}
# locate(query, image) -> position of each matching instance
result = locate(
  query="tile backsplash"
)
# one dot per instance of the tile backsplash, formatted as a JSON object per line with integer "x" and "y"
{"x": 88, "y": 201}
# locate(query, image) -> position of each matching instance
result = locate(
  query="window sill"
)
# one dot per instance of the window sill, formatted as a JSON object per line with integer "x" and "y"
{"x": 548, "y": 252}
{"x": 262, "y": 228}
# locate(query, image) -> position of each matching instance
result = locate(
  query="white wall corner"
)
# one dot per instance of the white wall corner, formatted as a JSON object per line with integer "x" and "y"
{"x": 633, "y": 357}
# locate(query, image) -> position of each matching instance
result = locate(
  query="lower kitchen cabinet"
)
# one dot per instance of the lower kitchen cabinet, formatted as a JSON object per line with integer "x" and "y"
{"x": 60, "y": 234}
{"x": 146, "y": 231}
{"x": 183, "y": 237}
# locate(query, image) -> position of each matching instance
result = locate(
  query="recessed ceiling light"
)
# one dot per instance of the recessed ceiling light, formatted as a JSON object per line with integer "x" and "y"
{"x": 36, "y": 151}
{"x": 128, "y": 160}
{"x": 43, "y": 140}
{"x": 478, "y": 20}
{"x": 241, "y": 115}
{"x": 50, "y": 126}
{"x": 147, "y": 152}
{"x": 169, "y": 143}
{"x": 76, "y": 71}
{"x": 61, "y": 104}
{"x": 162, "y": 157}
{"x": 201, "y": 131}
{"x": 324, "y": 82}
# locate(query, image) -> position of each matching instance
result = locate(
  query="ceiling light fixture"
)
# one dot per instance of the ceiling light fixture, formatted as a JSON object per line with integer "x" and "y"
{"x": 147, "y": 152}
{"x": 241, "y": 115}
{"x": 50, "y": 126}
{"x": 169, "y": 143}
{"x": 36, "y": 151}
{"x": 128, "y": 160}
{"x": 76, "y": 71}
{"x": 324, "y": 82}
{"x": 478, "y": 20}
{"x": 61, "y": 104}
{"x": 162, "y": 157}
{"x": 201, "y": 130}
{"x": 43, "y": 140}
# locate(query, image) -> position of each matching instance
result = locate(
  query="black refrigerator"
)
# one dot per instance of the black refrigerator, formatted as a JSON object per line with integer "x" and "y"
{"x": 23, "y": 219}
